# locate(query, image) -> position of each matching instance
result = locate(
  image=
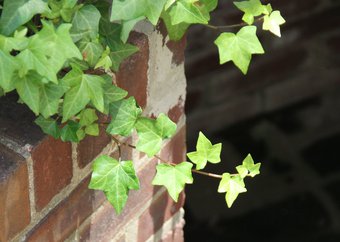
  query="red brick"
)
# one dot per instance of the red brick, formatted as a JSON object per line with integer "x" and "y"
{"x": 91, "y": 146}
{"x": 14, "y": 202}
{"x": 176, "y": 235}
{"x": 133, "y": 72}
{"x": 52, "y": 164}
{"x": 68, "y": 215}
{"x": 177, "y": 48}
{"x": 176, "y": 112}
{"x": 159, "y": 212}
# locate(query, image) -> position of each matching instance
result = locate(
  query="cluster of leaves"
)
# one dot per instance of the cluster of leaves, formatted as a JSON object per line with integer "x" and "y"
{"x": 60, "y": 56}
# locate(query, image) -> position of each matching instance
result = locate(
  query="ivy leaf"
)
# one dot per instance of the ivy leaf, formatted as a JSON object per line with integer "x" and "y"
{"x": 49, "y": 126}
{"x": 50, "y": 95}
{"x": 124, "y": 114}
{"x": 152, "y": 132}
{"x": 92, "y": 129}
{"x": 173, "y": 177}
{"x": 127, "y": 26}
{"x": 115, "y": 179}
{"x": 210, "y": 5}
{"x": 91, "y": 51}
{"x": 248, "y": 163}
{"x": 28, "y": 88}
{"x": 273, "y": 22}
{"x": 233, "y": 186}
{"x": 18, "y": 12}
{"x": 239, "y": 48}
{"x": 18, "y": 42}
{"x": 205, "y": 152}
{"x": 104, "y": 61}
{"x": 119, "y": 52}
{"x": 7, "y": 67}
{"x": 189, "y": 12}
{"x": 175, "y": 31}
{"x": 85, "y": 23}
{"x": 132, "y": 9}
{"x": 84, "y": 88}
{"x": 87, "y": 117}
{"x": 69, "y": 132}
{"x": 112, "y": 94}
{"x": 251, "y": 9}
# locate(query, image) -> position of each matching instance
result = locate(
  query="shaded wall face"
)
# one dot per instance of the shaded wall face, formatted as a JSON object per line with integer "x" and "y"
{"x": 286, "y": 112}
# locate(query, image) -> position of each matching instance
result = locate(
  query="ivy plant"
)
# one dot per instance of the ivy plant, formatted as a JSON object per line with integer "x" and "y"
{"x": 60, "y": 56}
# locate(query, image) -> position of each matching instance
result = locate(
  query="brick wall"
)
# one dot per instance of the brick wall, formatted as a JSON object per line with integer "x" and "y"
{"x": 43, "y": 181}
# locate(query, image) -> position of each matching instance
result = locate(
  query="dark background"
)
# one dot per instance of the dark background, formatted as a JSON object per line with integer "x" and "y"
{"x": 285, "y": 112}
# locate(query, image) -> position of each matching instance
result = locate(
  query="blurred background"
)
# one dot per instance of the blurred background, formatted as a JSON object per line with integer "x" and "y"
{"x": 285, "y": 112}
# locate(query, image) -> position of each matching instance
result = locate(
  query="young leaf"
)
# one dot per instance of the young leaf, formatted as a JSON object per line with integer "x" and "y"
{"x": 92, "y": 129}
{"x": 273, "y": 22}
{"x": 18, "y": 12}
{"x": 152, "y": 132}
{"x": 49, "y": 126}
{"x": 173, "y": 177}
{"x": 115, "y": 179}
{"x": 175, "y": 31}
{"x": 248, "y": 163}
{"x": 232, "y": 185}
{"x": 87, "y": 117}
{"x": 251, "y": 9}
{"x": 124, "y": 114}
{"x": 239, "y": 48}
{"x": 205, "y": 152}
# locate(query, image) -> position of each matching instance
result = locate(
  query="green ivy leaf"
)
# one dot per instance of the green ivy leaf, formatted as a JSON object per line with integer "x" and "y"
{"x": 84, "y": 88}
{"x": 251, "y": 9}
{"x": 175, "y": 31}
{"x": 248, "y": 163}
{"x": 133, "y": 9}
{"x": 49, "y": 126}
{"x": 210, "y": 5}
{"x": 50, "y": 95}
{"x": 28, "y": 88}
{"x": 92, "y": 129}
{"x": 115, "y": 179}
{"x": 18, "y": 42}
{"x": 7, "y": 67}
{"x": 85, "y": 23}
{"x": 112, "y": 94}
{"x": 87, "y": 117}
{"x": 124, "y": 114}
{"x": 69, "y": 132}
{"x": 105, "y": 60}
{"x": 127, "y": 26}
{"x": 91, "y": 51}
{"x": 18, "y": 12}
{"x": 205, "y": 152}
{"x": 233, "y": 186}
{"x": 273, "y": 22}
{"x": 119, "y": 52}
{"x": 189, "y": 12}
{"x": 239, "y": 48}
{"x": 152, "y": 132}
{"x": 173, "y": 177}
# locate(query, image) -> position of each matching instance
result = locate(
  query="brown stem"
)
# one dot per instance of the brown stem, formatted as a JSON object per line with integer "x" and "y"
{"x": 221, "y": 27}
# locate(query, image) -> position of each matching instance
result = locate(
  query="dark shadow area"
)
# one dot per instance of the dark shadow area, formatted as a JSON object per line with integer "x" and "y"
{"x": 286, "y": 113}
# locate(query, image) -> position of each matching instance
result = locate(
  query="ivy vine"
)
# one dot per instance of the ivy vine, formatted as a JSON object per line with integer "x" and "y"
{"x": 60, "y": 57}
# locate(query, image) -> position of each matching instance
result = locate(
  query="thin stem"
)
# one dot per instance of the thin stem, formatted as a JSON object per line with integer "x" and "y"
{"x": 221, "y": 27}
{"x": 119, "y": 148}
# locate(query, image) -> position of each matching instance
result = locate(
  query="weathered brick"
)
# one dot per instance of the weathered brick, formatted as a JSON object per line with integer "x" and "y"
{"x": 68, "y": 215}
{"x": 14, "y": 202}
{"x": 176, "y": 112}
{"x": 52, "y": 165}
{"x": 158, "y": 213}
{"x": 133, "y": 72}
{"x": 91, "y": 146}
{"x": 176, "y": 235}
